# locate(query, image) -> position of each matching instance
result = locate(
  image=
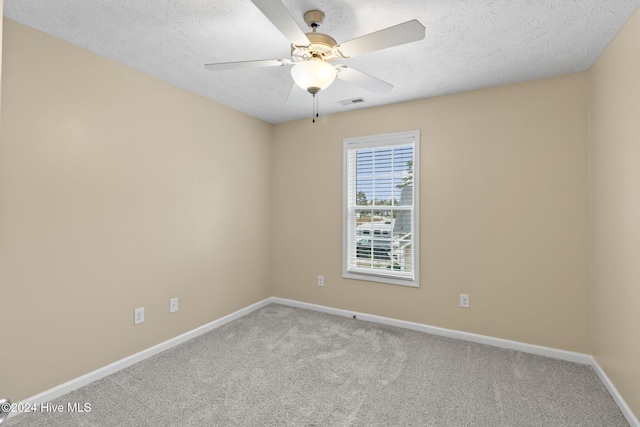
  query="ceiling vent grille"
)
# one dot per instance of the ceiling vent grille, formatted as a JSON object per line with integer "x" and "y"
{"x": 352, "y": 101}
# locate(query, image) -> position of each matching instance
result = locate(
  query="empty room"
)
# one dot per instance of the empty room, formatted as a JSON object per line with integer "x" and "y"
{"x": 320, "y": 213}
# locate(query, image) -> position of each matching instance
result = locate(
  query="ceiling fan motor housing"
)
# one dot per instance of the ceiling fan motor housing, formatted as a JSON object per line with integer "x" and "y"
{"x": 321, "y": 45}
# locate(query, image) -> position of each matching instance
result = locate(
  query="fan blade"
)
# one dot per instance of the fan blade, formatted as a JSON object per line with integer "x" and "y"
{"x": 363, "y": 80}
{"x": 247, "y": 64}
{"x": 280, "y": 17}
{"x": 407, "y": 32}
{"x": 297, "y": 96}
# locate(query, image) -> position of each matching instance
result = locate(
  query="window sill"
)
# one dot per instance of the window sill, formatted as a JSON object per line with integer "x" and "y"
{"x": 412, "y": 283}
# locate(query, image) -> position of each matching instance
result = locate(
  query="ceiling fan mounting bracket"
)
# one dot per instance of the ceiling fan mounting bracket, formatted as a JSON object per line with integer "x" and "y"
{"x": 314, "y": 18}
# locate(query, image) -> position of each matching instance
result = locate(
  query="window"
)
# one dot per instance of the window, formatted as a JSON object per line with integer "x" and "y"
{"x": 380, "y": 225}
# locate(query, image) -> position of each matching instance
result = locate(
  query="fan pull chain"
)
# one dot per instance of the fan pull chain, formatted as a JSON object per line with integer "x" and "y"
{"x": 315, "y": 107}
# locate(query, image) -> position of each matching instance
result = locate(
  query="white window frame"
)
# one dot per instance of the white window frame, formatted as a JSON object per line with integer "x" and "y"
{"x": 379, "y": 141}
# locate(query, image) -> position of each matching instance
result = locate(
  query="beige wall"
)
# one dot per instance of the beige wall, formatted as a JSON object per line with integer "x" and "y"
{"x": 504, "y": 212}
{"x": 615, "y": 210}
{"x": 118, "y": 191}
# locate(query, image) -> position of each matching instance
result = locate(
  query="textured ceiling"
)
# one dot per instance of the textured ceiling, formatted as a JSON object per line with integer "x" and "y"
{"x": 468, "y": 44}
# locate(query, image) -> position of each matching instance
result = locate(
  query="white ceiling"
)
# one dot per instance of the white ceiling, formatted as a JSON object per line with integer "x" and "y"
{"x": 469, "y": 44}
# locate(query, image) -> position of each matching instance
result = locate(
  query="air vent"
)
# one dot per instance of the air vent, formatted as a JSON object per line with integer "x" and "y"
{"x": 352, "y": 101}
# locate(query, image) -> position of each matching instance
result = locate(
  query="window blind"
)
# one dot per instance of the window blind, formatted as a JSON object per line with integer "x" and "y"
{"x": 380, "y": 201}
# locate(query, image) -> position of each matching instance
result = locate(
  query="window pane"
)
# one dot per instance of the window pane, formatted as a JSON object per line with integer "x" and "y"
{"x": 406, "y": 196}
{"x": 383, "y": 240}
{"x": 364, "y": 188}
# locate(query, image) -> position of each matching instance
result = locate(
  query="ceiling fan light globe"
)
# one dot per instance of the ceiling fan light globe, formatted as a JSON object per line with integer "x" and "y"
{"x": 313, "y": 74}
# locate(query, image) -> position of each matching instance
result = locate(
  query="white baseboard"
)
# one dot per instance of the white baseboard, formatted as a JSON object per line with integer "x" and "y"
{"x": 624, "y": 408}
{"x": 569, "y": 356}
{"x": 585, "y": 359}
{"x": 76, "y": 383}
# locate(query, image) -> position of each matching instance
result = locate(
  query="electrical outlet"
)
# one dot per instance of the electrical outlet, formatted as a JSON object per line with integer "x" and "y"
{"x": 138, "y": 315}
{"x": 320, "y": 280}
{"x": 464, "y": 300}
{"x": 173, "y": 305}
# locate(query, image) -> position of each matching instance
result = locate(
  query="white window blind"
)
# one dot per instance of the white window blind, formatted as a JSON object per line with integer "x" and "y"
{"x": 380, "y": 228}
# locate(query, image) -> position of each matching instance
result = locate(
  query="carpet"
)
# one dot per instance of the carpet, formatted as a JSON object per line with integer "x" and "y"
{"x": 285, "y": 366}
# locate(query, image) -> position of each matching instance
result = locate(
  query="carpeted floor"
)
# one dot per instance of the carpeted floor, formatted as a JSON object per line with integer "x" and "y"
{"x": 283, "y": 366}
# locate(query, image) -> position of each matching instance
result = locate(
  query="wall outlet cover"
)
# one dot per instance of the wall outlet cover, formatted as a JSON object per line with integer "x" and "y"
{"x": 464, "y": 300}
{"x": 138, "y": 315}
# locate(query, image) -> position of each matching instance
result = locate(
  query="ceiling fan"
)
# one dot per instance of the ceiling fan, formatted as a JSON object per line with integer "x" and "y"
{"x": 313, "y": 53}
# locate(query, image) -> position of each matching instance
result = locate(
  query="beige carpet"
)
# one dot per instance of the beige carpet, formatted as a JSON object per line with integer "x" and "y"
{"x": 283, "y": 366}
